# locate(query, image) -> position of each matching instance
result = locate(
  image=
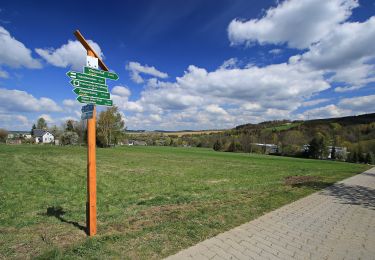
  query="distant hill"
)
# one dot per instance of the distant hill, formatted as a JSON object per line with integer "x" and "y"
{"x": 287, "y": 124}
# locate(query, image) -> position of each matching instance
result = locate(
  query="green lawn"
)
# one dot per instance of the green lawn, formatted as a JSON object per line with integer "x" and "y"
{"x": 152, "y": 201}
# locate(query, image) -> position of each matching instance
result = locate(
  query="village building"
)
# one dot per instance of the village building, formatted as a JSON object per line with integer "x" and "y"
{"x": 268, "y": 148}
{"x": 43, "y": 136}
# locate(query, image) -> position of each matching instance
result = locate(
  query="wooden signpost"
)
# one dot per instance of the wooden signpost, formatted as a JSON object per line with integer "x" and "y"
{"x": 92, "y": 79}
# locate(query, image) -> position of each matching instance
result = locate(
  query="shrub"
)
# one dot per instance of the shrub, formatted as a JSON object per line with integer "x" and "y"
{"x": 69, "y": 138}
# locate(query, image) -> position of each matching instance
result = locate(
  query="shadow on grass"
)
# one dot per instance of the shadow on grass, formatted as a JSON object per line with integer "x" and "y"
{"x": 58, "y": 213}
{"x": 352, "y": 194}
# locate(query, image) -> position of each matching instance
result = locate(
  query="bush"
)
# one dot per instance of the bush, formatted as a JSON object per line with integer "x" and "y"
{"x": 69, "y": 138}
{"x": 291, "y": 150}
{"x": 234, "y": 147}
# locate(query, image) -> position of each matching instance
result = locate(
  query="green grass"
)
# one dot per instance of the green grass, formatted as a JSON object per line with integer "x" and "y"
{"x": 152, "y": 201}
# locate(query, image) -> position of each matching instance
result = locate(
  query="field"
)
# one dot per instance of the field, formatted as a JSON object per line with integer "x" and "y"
{"x": 152, "y": 201}
{"x": 179, "y": 133}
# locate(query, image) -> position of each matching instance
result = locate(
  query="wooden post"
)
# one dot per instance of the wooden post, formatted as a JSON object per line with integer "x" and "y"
{"x": 91, "y": 149}
{"x": 91, "y": 171}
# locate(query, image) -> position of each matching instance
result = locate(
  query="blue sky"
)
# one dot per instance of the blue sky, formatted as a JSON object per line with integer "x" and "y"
{"x": 191, "y": 64}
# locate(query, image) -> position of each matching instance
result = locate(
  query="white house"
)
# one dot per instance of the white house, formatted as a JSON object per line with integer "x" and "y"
{"x": 43, "y": 136}
{"x": 27, "y": 136}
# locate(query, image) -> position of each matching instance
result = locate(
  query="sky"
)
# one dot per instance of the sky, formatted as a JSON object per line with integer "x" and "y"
{"x": 197, "y": 64}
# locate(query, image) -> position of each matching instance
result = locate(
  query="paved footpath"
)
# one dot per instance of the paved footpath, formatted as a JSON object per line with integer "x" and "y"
{"x": 335, "y": 223}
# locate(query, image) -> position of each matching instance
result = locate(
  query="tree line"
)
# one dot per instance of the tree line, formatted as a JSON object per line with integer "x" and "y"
{"x": 320, "y": 140}
{"x": 110, "y": 128}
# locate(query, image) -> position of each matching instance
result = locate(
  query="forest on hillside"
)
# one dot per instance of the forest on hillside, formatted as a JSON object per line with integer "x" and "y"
{"x": 354, "y": 136}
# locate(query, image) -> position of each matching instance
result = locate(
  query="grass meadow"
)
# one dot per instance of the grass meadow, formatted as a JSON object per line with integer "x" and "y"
{"x": 152, "y": 201}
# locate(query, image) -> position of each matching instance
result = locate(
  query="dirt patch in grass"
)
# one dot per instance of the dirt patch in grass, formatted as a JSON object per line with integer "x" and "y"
{"x": 294, "y": 180}
{"x": 216, "y": 181}
{"x": 41, "y": 237}
{"x": 156, "y": 215}
{"x": 136, "y": 171}
{"x": 311, "y": 182}
{"x": 153, "y": 216}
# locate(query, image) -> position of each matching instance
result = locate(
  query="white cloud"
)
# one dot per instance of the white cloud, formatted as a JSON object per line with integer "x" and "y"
{"x": 136, "y": 69}
{"x": 48, "y": 118}
{"x": 197, "y": 99}
{"x": 345, "y": 107}
{"x": 346, "y": 89}
{"x": 315, "y": 102}
{"x": 14, "y": 122}
{"x": 348, "y": 44}
{"x": 333, "y": 45}
{"x": 21, "y": 101}
{"x": 120, "y": 96}
{"x": 72, "y": 106}
{"x": 14, "y": 53}
{"x": 230, "y": 64}
{"x": 326, "y": 112}
{"x": 348, "y": 51}
{"x": 155, "y": 117}
{"x": 295, "y": 22}
{"x": 69, "y": 102}
{"x": 272, "y": 84}
{"x": 71, "y": 54}
{"x": 133, "y": 107}
{"x": 121, "y": 91}
{"x": 4, "y": 74}
{"x": 215, "y": 109}
{"x": 275, "y": 51}
{"x": 360, "y": 105}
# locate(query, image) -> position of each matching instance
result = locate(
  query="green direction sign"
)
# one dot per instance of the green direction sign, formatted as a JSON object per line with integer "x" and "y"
{"x": 94, "y": 100}
{"x": 91, "y": 93}
{"x": 85, "y": 77}
{"x": 100, "y": 73}
{"x": 88, "y": 85}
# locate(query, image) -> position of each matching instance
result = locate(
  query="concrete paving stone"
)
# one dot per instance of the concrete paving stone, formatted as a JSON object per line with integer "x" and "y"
{"x": 335, "y": 223}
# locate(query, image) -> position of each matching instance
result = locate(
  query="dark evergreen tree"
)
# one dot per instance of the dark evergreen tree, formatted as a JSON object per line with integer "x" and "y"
{"x": 333, "y": 153}
{"x": 368, "y": 158}
{"x": 314, "y": 148}
{"x": 355, "y": 157}
{"x": 217, "y": 145}
{"x": 32, "y": 129}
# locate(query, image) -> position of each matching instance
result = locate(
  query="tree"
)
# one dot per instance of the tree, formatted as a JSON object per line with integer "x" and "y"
{"x": 41, "y": 123}
{"x": 32, "y": 129}
{"x": 69, "y": 125}
{"x": 355, "y": 157}
{"x": 110, "y": 128}
{"x": 234, "y": 147}
{"x": 217, "y": 145}
{"x": 361, "y": 157}
{"x": 79, "y": 128}
{"x": 55, "y": 131}
{"x": 370, "y": 158}
{"x": 3, "y": 135}
{"x": 292, "y": 142}
{"x": 333, "y": 153}
{"x": 317, "y": 147}
{"x": 246, "y": 140}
